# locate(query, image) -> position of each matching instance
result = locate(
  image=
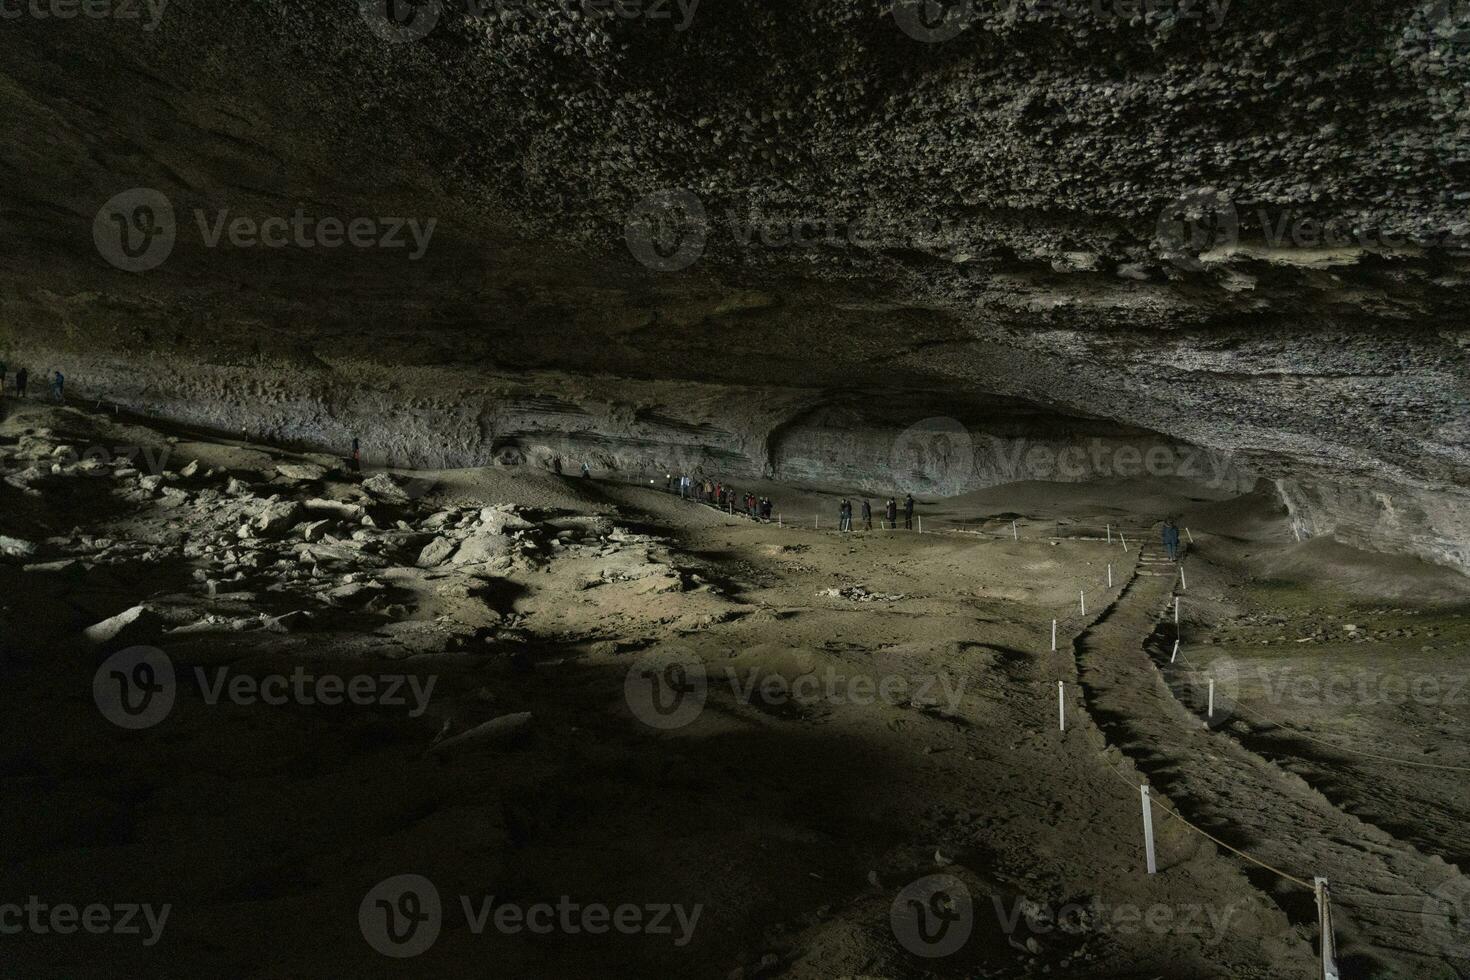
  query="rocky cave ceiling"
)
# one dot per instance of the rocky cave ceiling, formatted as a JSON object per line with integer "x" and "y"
{"x": 1241, "y": 225}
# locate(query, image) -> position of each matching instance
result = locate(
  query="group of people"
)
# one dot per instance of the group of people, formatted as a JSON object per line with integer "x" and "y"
{"x": 55, "y": 381}
{"x": 720, "y": 497}
{"x": 890, "y": 514}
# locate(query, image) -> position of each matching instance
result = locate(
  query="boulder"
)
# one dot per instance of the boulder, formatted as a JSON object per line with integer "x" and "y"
{"x": 482, "y": 546}
{"x": 436, "y": 553}
{"x": 301, "y": 472}
{"x": 385, "y": 487}
{"x": 341, "y": 508}
{"x": 502, "y": 520}
{"x": 129, "y": 627}
{"x": 497, "y": 731}
{"x": 278, "y": 517}
{"x": 16, "y": 547}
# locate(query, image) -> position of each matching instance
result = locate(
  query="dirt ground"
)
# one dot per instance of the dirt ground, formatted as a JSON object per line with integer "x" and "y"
{"x": 785, "y": 751}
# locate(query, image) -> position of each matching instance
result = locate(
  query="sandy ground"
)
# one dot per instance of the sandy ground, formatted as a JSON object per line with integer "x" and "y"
{"x": 831, "y": 755}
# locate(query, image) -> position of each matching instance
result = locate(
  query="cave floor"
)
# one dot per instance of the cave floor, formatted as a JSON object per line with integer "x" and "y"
{"x": 877, "y": 709}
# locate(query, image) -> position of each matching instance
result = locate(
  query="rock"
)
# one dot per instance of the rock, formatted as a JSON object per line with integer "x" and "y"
{"x": 314, "y": 530}
{"x": 237, "y": 488}
{"x": 278, "y": 517}
{"x": 341, "y": 508}
{"x": 288, "y": 622}
{"x": 385, "y": 487}
{"x": 190, "y": 470}
{"x": 502, "y": 520}
{"x": 301, "y": 472}
{"x": 482, "y": 546}
{"x": 16, "y": 547}
{"x": 131, "y": 626}
{"x": 494, "y": 732}
{"x": 436, "y": 553}
{"x": 151, "y": 483}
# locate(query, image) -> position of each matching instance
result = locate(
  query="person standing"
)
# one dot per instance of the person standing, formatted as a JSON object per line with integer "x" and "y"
{"x": 867, "y": 516}
{"x": 356, "y": 455}
{"x": 1171, "y": 539}
{"x": 2, "y": 377}
{"x": 908, "y": 512}
{"x": 58, "y": 387}
{"x": 556, "y": 465}
{"x": 891, "y": 513}
{"x": 842, "y": 514}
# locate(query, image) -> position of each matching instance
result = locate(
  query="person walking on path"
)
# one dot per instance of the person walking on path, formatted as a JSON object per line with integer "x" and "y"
{"x": 890, "y": 512}
{"x": 867, "y": 516}
{"x": 22, "y": 378}
{"x": 58, "y": 387}
{"x": 2, "y": 377}
{"x": 908, "y": 512}
{"x": 356, "y": 455}
{"x": 844, "y": 515}
{"x": 1171, "y": 539}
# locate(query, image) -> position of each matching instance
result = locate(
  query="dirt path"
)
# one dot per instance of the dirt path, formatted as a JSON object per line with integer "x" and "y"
{"x": 1385, "y": 889}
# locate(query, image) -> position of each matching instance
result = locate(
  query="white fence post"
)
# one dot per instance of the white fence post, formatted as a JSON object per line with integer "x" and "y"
{"x": 921, "y": 523}
{"x": 1176, "y": 612}
{"x": 1183, "y": 584}
{"x": 1191, "y": 536}
{"x": 1175, "y": 653}
{"x": 1082, "y": 601}
{"x": 1053, "y": 636}
{"x": 1324, "y": 926}
{"x": 1210, "y": 711}
{"x": 1015, "y": 535}
{"x": 1110, "y": 534}
{"x": 1122, "y": 537}
{"x": 1061, "y": 706}
{"x": 1110, "y": 575}
{"x": 1148, "y": 830}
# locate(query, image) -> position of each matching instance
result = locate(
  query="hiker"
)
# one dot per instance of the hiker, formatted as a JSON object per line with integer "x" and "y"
{"x": 669, "y": 482}
{"x": 1171, "y": 538}
{"x": 2, "y": 377}
{"x": 766, "y": 509}
{"x": 57, "y": 387}
{"x": 356, "y": 455}
{"x": 867, "y": 516}
{"x": 891, "y": 513}
{"x": 842, "y": 515}
{"x": 22, "y": 377}
{"x": 908, "y": 512}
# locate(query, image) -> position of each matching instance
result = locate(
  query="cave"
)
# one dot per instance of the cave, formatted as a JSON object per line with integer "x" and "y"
{"x": 904, "y": 488}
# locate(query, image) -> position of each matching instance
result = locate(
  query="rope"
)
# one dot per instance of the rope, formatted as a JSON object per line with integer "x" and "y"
{"x": 1339, "y": 748}
{"x": 1204, "y": 833}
